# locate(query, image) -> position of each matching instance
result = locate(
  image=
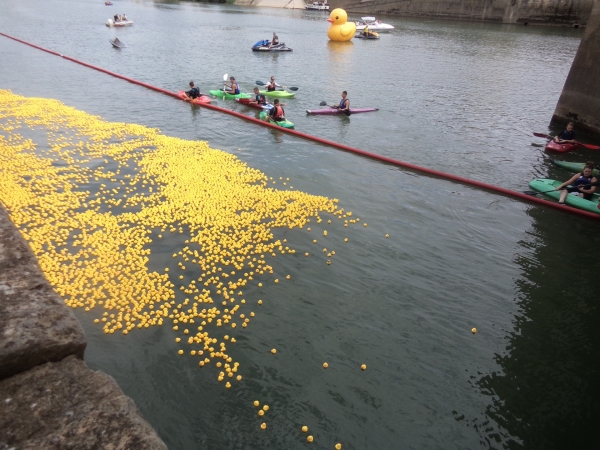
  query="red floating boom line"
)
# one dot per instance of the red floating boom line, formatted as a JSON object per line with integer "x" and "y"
{"x": 358, "y": 151}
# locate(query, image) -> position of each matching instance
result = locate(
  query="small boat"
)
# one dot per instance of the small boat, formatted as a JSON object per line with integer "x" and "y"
{"x": 221, "y": 93}
{"x": 246, "y": 101}
{"x": 333, "y": 111}
{"x": 278, "y": 94}
{"x": 117, "y": 43}
{"x": 562, "y": 148}
{"x": 317, "y": 6}
{"x": 283, "y": 123}
{"x": 108, "y": 3}
{"x": 573, "y": 166}
{"x": 371, "y": 35}
{"x": 373, "y": 24}
{"x": 543, "y": 184}
{"x": 119, "y": 23}
{"x": 197, "y": 101}
{"x": 263, "y": 46}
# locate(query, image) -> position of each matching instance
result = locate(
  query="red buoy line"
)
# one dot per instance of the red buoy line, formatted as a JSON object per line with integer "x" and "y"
{"x": 395, "y": 162}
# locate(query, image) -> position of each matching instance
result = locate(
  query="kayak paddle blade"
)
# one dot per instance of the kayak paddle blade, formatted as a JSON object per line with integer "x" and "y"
{"x": 323, "y": 103}
{"x": 225, "y": 77}
{"x": 293, "y": 88}
{"x": 260, "y": 83}
{"x": 542, "y": 135}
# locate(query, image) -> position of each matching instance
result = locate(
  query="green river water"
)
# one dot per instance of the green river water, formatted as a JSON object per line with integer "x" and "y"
{"x": 455, "y": 96}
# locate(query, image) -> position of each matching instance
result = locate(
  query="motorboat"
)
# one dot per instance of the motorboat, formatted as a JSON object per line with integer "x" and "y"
{"x": 108, "y": 3}
{"x": 119, "y": 23}
{"x": 263, "y": 46}
{"x": 318, "y": 6}
{"x": 374, "y": 25}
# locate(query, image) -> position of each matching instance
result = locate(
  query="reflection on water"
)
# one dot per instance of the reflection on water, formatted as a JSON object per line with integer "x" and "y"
{"x": 547, "y": 394}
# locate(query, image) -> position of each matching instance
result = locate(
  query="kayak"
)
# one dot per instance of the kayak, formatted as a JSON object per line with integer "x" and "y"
{"x": 278, "y": 94}
{"x": 561, "y": 148}
{"x": 338, "y": 111}
{"x": 573, "y": 166}
{"x": 116, "y": 43}
{"x": 246, "y": 101}
{"x": 263, "y": 46}
{"x": 542, "y": 184}
{"x": 221, "y": 93}
{"x": 199, "y": 100}
{"x": 284, "y": 123}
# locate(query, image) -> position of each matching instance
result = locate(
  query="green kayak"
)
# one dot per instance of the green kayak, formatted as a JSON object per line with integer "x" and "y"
{"x": 278, "y": 94}
{"x": 573, "y": 166}
{"x": 284, "y": 123}
{"x": 221, "y": 93}
{"x": 542, "y": 185}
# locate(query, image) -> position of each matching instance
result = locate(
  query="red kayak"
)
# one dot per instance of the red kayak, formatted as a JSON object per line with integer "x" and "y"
{"x": 199, "y": 100}
{"x": 562, "y": 148}
{"x": 337, "y": 111}
{"x": 246, "y": 101}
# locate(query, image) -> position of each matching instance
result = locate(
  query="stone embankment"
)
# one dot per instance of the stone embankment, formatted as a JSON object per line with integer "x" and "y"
{"x": 49, "y": 398}
{"x": 289, "y": 4}
{"x": 532, "y": 12}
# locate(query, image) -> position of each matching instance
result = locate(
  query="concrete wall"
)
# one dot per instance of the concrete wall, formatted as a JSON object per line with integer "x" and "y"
{"x": 580, "y": 98}
{"x": 543, "y": 12}
{"x": 290, "y": 4}
{"x": 49, "y": 398}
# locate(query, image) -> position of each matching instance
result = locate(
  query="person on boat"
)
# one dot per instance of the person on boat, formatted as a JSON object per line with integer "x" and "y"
{"x": 193, "y": 93}
{"x": 274, "y": 41}
{"x": 116, "y": 18}
{"x": 233, "y": 88}
{"x": 566, "y": 136}
{"x": 344, "y": 103}
{"x": 259, "y": 99}
{"x": 277, "y": 113}
{"x": 580, "y": 184}
{"x": 125, "y": 17}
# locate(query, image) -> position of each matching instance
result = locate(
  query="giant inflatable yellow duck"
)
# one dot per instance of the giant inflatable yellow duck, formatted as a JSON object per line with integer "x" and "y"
{"x": 340, "y": 29}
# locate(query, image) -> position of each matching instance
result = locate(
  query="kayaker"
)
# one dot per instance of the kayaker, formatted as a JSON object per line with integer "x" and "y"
{"x": 193, "y": 93}
{"x": 581, "y": 184}
{"x": 344, "y": 103}
{"x": 277, "y": 113}
{"x": 272, "y": 85}
{"x": 566, "y": 136}
{"x": 274, "y": 41}
{"x": 259, "y": 99}
{"x": 233, "y": 88}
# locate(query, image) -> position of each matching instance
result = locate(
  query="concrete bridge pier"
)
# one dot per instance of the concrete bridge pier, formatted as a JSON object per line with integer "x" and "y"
{"x": 579, "y": 101}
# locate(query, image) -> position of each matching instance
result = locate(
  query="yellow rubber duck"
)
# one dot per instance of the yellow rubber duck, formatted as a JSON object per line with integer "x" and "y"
{"x": 340, "y": 29}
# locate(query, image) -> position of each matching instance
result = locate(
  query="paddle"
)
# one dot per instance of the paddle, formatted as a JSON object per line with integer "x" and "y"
{"x": 588, "y": 146}
{"x": 532, "y": 193}
{"x": 324, "y": 103}
{"x": 291, "y": 88}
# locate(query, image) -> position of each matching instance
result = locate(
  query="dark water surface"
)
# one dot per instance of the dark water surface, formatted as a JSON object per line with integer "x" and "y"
{"x": 455, "y": 96}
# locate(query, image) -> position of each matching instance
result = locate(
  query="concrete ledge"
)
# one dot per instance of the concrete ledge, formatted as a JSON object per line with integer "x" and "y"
{"x": 65, "y": 405}
{"x": 35, "y": 325}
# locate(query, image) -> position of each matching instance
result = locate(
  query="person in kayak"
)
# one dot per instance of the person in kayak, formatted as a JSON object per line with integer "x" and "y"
{"x": 566, "y": 136}
{"x": 233, "y": 88}
{"x": 584, "y": 184}
{"x": 277, "y": 113}
{"x": 193, "y": 93}
{"x": 259, "y": 99}
{"x": 344, "y": 103}
{"x": 272, "y": 85}
{"x": 274, "y": 41}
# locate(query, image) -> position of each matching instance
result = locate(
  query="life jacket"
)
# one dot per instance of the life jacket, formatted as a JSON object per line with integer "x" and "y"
{"x": 260, "y": 98}
{"x": 343, "y": 103}
{"x": 271, "y": 86}
{"x": 583, "y": 180}
{"x": 237, "y": 88}
{"x": 278, "y": 113}
{"x": 194, "y": 92}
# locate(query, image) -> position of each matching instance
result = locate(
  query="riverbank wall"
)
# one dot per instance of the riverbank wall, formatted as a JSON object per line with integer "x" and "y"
{"x": 49, "y": 398}
{"x": 579, "y": 100}
{"x": 289, "y": 4}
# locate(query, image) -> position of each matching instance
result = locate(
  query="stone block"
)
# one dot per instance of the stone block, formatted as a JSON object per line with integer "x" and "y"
{"x": 65, "y": 405}
{"x": 35, "y": 325}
